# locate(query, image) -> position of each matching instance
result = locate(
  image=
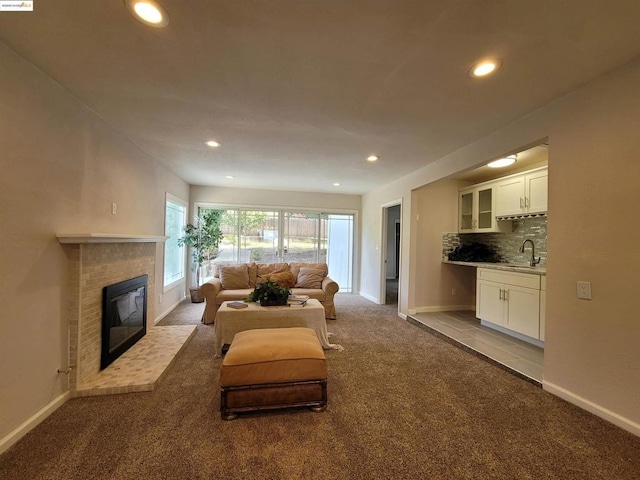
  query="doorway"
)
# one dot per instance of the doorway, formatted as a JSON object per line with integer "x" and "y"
{"x": 391, "y": 253}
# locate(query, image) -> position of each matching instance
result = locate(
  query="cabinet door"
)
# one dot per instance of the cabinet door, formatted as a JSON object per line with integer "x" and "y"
{"x": 543, "y": 305}
{"x": 466, "y": 204}
{"x": 486, "y": 218}
{"x": 489, "y": 304}
{"x": 523, "y": 314}
{"x": 536, "y": 198}
{"x": 510, "y": 196}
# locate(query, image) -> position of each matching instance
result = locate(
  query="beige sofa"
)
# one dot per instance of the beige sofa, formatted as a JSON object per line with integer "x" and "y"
{"x": 237, "y": 281}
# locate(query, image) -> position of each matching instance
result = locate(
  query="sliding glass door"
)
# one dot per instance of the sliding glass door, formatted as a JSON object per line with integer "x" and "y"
{"x": 248, "y": 236}
{"x": 268, "y": 236}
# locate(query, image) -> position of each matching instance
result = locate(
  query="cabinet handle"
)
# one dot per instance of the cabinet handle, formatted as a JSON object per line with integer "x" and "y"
{"x": 505, "y": 296}
{"x": 500, "y": 295}
{"x": 521, "y": 203}
{"x": 526, "y": 202}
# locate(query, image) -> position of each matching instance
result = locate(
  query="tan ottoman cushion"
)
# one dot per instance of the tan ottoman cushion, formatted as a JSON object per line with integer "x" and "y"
{"x": 273, "y": 355}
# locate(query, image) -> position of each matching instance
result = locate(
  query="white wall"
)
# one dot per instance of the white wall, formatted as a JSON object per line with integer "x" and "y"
{"x": 275, "y": 198}
{"x": 591, "y": 354}
{"x": 61, "y": 168}
{"x": 442, "y": 287}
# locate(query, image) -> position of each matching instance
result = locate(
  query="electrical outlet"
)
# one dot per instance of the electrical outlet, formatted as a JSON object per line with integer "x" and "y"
{"x": 453, "y": 291}
{"x": 114, "y": 208}
{"x": 160, "y": 298}
{"x": 584, "y": 290}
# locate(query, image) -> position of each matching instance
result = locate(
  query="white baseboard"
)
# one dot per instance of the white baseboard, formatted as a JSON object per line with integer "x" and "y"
{"x": 402, "y": 315}
{"x": 369, "y": 297}
{"x": 608, "y": 415}
{"x": 169, "y": 310}
{"x": 442, "y": 308}
{"x": 32, "y": 422}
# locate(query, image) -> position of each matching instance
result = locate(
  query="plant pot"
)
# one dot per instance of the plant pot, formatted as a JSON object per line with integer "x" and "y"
{"x": 272, "y": 302}
{"x": 196, "y": 295}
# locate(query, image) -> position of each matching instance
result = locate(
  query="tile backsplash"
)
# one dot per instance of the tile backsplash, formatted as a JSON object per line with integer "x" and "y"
{"x": 506, "y": 244}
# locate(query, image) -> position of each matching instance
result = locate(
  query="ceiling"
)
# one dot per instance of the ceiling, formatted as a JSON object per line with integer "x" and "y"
{"x": 537, "y": 156}
{"x": 300, "y": 92}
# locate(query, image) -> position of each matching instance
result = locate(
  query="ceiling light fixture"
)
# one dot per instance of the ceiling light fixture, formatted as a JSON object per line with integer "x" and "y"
{"x": 337, "y": 184}
{"x": 503, "y": 162}
{"x": 148, "y": 12}
{"x": 372, "y": 158}
{"x": 230, "y": 177}
{"x": 212, "y": 143}
{"x": 485, "y": 67}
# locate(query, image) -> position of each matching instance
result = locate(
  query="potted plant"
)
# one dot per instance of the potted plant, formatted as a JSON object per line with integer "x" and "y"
{"x": 269, "y": 294}
{"x": 203, "y": 236}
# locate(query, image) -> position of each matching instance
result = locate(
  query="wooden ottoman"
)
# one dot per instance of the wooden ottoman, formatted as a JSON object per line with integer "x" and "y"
{"x": 273, "y": 368}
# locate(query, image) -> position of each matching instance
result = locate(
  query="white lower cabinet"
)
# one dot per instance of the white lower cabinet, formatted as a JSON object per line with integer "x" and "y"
{"x": 510, "y": 300}
{"x": 543, "y": 305}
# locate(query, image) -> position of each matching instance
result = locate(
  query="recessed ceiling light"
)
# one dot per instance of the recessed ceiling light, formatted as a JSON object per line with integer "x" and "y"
{"x": 485, "y": 67}
{"x": 372, "y": 158}
{"x": 148, "y": 12}
{"x": 212, "y": 143}
{"x": 337, "y": 184}
{"x": 502, "y": 162}
{"x": 231, "y": 177}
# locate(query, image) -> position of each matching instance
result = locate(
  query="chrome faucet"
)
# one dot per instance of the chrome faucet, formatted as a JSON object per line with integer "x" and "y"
{"x": 533, "y": 262}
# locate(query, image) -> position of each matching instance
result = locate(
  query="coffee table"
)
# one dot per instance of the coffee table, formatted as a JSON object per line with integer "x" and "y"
{"x": 230, "y": 321}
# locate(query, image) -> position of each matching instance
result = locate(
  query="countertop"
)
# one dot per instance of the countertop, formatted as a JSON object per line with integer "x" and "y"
{"x": 502, "y": 266}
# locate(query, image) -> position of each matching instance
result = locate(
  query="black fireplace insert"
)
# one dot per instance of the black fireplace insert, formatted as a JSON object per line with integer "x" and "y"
{"x": 124, "y": 317}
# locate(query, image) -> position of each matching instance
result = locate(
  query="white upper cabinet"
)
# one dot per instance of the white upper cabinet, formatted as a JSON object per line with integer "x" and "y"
{"x": 476, "y": 208}
{"x": 522, "y": 194}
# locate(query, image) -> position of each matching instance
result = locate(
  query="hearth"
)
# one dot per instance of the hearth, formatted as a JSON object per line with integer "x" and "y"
{"x": 124, "y": 317}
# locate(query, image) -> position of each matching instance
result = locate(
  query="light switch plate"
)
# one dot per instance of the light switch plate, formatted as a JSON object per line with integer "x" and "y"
{"x": 584, "y": 290}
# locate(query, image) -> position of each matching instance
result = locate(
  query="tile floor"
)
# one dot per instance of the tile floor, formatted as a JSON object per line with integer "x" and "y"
{"x": 141, "y": 367}
{"x": 463, "y": 329}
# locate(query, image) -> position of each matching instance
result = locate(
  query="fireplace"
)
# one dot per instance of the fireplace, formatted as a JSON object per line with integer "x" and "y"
{"x": 124, "y": 317}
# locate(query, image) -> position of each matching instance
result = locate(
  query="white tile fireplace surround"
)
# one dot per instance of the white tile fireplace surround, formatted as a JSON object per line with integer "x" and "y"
{"x": 95, "y": 261}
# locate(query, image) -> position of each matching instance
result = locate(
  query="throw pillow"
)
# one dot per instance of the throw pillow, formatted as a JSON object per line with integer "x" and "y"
{"x": 310, "y": 278}
{"x": 294, "y": 267}
{"x": 266, "y": 269}
{"x": 234, "y": 277}
{"x": 283, "y": 279}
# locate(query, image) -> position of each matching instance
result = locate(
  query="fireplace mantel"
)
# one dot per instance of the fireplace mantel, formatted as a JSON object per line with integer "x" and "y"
{"x": 108, "y": 238}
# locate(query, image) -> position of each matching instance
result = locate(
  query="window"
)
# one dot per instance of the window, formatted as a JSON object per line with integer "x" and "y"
{"x": 270, "y": 235}
{"x": 174, "y": 262}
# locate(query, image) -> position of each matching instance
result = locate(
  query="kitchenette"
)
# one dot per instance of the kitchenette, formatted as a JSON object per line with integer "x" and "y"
{"x": 502, "y": 233}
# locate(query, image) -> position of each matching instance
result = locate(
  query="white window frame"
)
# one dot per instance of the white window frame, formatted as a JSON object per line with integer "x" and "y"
{"x": 336, "y": 211}
{"x": 182, "y": 250}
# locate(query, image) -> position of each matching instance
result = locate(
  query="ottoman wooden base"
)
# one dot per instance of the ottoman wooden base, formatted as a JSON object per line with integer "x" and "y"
{"x": 268, "y": 396}
{"x": 273, "y": 368}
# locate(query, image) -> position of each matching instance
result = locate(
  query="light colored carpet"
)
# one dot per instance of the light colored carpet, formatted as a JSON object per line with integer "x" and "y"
{"x": 403, "y": 404}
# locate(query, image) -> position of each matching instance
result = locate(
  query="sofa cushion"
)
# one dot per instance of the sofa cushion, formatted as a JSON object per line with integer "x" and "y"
{"x": 311, "y": 292}
{"x": 310, "y": 278}
{"x": 283, "y": 279}
{"x": 253, "y": 274}
{"x": 294, "y": 267}
{"x": 239, "y": 294}
{"x": 266, "y": 269}
{"x": 233, "y": 277}
{"x": 251, "y": 266}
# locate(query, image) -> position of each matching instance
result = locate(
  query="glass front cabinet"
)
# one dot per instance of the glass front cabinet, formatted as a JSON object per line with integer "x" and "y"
{"x": 476, "y": 206}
